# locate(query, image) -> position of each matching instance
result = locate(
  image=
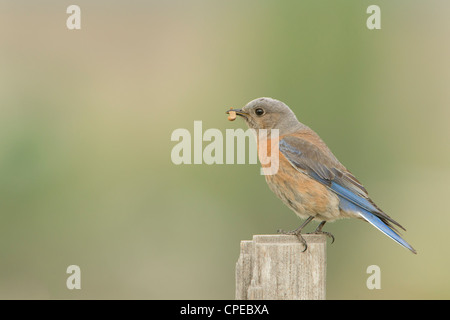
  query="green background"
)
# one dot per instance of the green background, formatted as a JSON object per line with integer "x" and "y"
{"x": 86, "y": 117}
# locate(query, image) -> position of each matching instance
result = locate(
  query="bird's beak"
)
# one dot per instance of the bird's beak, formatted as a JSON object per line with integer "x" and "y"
{"x": 239, "y": 112}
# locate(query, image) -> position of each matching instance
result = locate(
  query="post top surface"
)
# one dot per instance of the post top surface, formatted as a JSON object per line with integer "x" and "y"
{"x": 285, "y": 238}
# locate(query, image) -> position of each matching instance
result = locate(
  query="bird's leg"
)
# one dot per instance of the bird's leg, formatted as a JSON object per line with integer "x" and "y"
{"x": 319, "y": 231}
{"x": 297, "y": 232}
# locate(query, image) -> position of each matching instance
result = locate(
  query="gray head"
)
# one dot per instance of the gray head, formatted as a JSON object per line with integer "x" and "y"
{"x": 268, "y": 113}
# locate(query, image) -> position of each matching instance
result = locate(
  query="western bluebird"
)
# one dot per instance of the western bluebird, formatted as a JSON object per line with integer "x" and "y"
{"x": 310, "y": 179}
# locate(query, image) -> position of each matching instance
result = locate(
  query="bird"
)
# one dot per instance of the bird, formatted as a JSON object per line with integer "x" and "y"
{"x": 310, "y": 179}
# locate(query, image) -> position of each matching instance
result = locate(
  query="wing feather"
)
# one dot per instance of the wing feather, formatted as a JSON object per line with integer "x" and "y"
{"x": 321, "y": 165}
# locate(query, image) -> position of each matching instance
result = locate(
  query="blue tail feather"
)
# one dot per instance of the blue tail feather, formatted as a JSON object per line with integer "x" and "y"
{"x": 376, "y": 222}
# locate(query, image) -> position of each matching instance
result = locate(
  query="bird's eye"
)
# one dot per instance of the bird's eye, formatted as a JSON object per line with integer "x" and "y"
{"x": 259, "y": 111}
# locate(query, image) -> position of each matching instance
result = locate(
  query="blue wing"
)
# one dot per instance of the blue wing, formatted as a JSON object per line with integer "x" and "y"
{"x": 320, "y": 164}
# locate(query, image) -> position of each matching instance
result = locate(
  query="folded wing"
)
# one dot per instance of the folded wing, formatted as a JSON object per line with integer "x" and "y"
{"x": 317, "y": 161}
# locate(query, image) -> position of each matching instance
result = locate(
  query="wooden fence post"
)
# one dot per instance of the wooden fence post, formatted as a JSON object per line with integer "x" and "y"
{"x": 273, "y": 267}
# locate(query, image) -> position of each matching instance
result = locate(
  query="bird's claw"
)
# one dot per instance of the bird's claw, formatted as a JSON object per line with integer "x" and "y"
{"x": 297, "y": 234}
{"x": 328, "y": 234}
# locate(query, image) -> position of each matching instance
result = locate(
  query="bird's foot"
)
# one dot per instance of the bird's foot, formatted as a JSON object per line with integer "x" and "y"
{"x": 296, "y": 233}
{"x": 319, "y": 231}
{"x": 328, "y": 234}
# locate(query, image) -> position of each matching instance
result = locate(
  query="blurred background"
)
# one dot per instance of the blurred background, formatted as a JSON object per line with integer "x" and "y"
{"x": 86, "y": 117}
